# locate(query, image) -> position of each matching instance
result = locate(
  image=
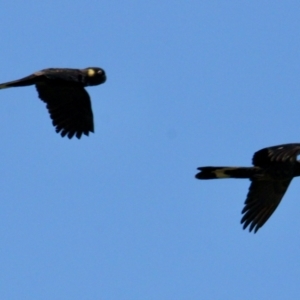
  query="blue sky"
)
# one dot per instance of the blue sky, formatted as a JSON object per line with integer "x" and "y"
{"x": 119, "y": 215}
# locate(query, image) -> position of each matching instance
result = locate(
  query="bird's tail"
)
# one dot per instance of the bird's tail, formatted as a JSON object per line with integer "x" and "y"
{"x": 11, "y": 84}
{"x": 29, "y": 80}
{"x": 3, "y": 86}
{"x": 226, "y": 172}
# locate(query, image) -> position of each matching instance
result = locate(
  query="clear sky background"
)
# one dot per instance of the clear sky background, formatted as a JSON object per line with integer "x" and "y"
{"x": 118, "y": 214}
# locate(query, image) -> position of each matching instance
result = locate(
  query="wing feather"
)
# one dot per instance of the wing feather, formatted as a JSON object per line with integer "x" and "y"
{"x": 69, "y": 106}
{"x": 263, "y": 198}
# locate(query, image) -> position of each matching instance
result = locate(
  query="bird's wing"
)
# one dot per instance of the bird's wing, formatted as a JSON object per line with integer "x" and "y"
{"x": 69, "y": 106}
{"x": 280, "y": 153}
{"x": 263, "y": 198}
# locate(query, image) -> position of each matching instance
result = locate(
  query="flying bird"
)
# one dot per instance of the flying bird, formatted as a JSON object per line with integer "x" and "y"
{"x": 67, "y": 101}
{"x": 274, "y": 168}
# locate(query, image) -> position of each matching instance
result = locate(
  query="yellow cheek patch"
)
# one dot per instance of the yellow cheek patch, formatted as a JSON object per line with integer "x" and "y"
{"x": 91, "y": 72}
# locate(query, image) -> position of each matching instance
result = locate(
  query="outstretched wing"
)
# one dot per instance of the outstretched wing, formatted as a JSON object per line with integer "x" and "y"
{"x": 263, "y": 198}
{"x": 280, "y": 153}
{"x": 69, "y": 106}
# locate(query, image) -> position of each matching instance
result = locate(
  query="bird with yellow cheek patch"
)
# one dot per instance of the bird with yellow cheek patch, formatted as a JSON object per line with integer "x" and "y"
{"x": 63, "y": 91}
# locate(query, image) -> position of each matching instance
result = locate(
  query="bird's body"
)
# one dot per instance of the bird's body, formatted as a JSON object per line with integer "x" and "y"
{"x": 67, "y": 101}
{"x": 274, "y": 168}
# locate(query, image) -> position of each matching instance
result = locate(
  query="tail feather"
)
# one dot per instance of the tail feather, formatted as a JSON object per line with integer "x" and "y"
{"x": 3, "y": 86}
{"x": 9, "y": 84}
{"x": 29, "y": 80}
{"x": 226, "y": 172}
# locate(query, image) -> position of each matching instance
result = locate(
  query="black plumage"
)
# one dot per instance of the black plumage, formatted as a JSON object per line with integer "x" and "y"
{"x": 274, "y": 168}
{"x": 67, "y": 101}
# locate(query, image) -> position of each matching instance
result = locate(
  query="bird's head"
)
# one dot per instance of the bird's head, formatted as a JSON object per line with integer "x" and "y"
{"x": 95, "y": 75}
